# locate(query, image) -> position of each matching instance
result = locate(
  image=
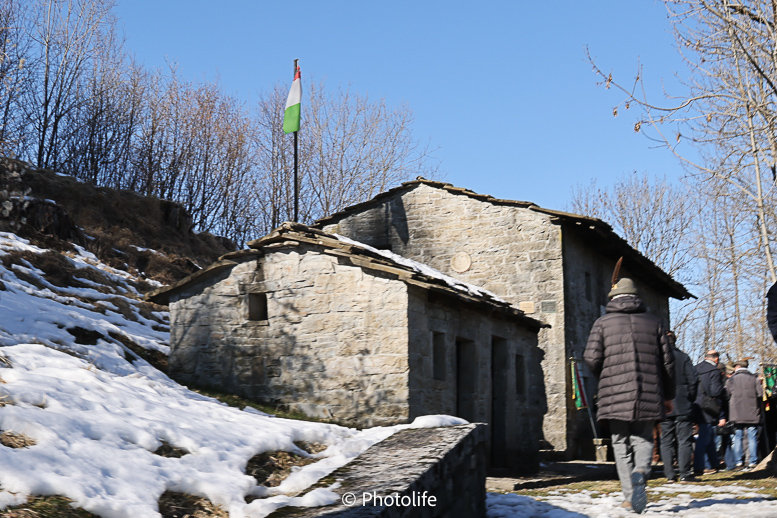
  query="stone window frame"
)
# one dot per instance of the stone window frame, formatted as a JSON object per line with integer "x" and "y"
{"x": 256, "y": 304}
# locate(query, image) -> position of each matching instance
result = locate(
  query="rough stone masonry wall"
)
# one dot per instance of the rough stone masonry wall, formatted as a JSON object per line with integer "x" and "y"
{"x": 334, "y": 344}
{"x": 445, "y": 463}
{"x": 508, "y": 394}
{"x": 515, "y": 253}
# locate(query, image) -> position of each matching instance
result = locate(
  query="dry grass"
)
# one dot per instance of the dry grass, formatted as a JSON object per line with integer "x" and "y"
{"x": 57, "y": 269}
{"x": 271, "y": 468}
{"x": 116, "y": 221}
{"x": 311, "y": 447}
{"x": 11, "y": 439}
{"x": 181, "y": 505}
{"x": 156, "y": 358}
{"x": 170, "y": 451}
{"x": 46, "y": 507}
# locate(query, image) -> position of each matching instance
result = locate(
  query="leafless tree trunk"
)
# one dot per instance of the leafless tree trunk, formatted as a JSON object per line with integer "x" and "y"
{"x": 14, "y": 73}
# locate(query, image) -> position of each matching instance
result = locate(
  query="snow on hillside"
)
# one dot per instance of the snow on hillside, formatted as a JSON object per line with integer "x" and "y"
{"x": 97, "y": 412}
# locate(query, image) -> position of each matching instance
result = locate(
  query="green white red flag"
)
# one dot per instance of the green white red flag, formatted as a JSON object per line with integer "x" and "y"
{"x": 291, "y": 115}
{"x": 578, "y": 392}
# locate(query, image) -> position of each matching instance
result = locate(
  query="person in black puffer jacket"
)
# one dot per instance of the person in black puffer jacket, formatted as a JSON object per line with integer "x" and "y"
{"x": 629, "y": 353}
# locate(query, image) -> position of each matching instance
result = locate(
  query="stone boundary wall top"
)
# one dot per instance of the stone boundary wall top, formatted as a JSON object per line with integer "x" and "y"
{"x": 412, "y": 466}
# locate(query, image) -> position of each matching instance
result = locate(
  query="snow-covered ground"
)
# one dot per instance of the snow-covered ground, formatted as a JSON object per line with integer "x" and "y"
{"x": 676, "y": 500}
{"x": 97, "y": 414}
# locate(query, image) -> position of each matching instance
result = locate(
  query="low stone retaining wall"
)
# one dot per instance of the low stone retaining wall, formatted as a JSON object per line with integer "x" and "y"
{"x": 416, "y": 473}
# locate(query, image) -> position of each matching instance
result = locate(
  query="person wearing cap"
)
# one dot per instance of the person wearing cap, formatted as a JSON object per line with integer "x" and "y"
{"x": 711, "y": 386}
{"x": 744, "y": 392}
{"x": 629, "y": 353}
{"x": 677, "y": 428}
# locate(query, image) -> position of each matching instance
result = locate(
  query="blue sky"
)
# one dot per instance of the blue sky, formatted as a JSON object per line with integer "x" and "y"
{"x": 502, "y": 89}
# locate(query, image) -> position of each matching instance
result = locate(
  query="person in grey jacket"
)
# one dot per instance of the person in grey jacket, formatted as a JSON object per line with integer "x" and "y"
{"x": 677, "y": 428}
{"x": 629, "y": 353}
{"x": 744, "y": 394}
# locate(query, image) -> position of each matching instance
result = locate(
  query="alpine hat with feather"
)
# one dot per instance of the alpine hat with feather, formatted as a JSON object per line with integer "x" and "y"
{"x": 621, "y": 286}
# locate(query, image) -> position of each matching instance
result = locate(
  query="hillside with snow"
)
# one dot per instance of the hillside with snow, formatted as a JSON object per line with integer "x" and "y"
{"x": 83, "y": 414}
{"x": 89, "y": 413}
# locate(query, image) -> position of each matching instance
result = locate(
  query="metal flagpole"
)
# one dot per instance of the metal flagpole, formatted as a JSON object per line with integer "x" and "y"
{"x": 578, "y": 382}
{"x": 590, "y": 414}
{"x": 296, "y": 181}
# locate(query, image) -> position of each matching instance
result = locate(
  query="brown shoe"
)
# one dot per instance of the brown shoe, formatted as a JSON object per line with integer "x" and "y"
{"x": 626, "y": 505}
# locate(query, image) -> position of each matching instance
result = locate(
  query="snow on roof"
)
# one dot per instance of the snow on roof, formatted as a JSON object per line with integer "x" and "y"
{"x": 424, "y": 269}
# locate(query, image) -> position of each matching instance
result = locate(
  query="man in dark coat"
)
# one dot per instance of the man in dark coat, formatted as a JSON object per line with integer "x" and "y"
{"x": 677, "y": 428}
{"x": 711, "y": 385}
{"x": 744, "y": 396}
{"x": 628, "y": 352}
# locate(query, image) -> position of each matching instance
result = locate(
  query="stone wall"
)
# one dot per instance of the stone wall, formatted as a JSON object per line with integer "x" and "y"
{"x": 510, "y": 250}
{"x": 359, "y": 346}
{"x": 479, "y": 367}
{"x": 333, "y": 344}
{"x": 446, "y": 464}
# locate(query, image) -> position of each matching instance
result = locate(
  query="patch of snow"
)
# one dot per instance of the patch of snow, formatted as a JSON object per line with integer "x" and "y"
{"x": 454, "y": 283}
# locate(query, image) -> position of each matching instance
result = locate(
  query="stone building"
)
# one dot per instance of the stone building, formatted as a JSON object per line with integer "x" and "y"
{"x": 338, "y": 330}
{"x": 552, "y": 265}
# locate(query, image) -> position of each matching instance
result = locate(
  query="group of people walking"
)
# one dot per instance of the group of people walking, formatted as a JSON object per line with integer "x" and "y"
{"x": 720, "y": 406}
{"x": 644, "y": 381}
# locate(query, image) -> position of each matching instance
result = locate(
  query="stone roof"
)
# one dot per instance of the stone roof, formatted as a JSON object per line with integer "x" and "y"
{"x": 594, "y": 231}
{"x": 358, "y": 254}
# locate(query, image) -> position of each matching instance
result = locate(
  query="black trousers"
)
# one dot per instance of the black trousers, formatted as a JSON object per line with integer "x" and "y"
{"x": 677, "y": 444}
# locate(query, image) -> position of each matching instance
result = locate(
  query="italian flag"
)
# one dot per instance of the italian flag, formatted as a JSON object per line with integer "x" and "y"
{"x": 291, "y": 116}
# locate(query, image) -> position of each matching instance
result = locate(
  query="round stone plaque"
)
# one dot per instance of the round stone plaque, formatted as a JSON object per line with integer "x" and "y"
{"x": 461, "y": 262}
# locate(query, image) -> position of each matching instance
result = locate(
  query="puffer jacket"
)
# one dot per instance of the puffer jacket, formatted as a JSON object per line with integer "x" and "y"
{"x": 629, "y": 353}
{"x": 744, "y": 395}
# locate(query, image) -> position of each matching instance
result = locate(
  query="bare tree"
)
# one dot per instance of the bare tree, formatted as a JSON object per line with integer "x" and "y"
{"x": 727, "y": 114}
{"x": 96, "y": 144}
{"x": 67, "y": 35}
{"x": 653, "y": 215}
{"x": 84, "y": 108}
{"x": 14, "y": 73}
{"x": 351, "y": 148}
